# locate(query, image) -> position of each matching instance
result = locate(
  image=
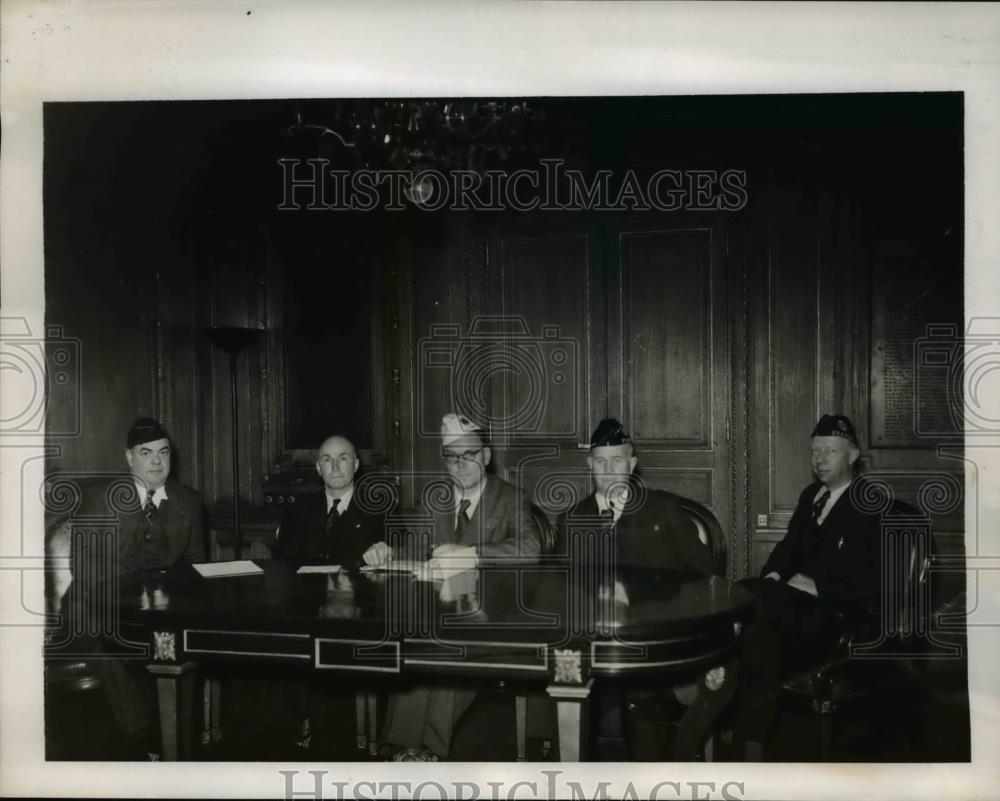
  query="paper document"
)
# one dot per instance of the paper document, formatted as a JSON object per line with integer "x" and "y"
{"x": 319, "y": 569}
{"x": 239, "y": 567}
{"x": 397, "y": 566}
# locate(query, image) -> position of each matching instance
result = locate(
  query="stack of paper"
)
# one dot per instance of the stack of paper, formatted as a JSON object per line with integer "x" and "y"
{"x": 239, "y": 567}
{"x": 319, "y": 569}
{"x": 398, "y": 566}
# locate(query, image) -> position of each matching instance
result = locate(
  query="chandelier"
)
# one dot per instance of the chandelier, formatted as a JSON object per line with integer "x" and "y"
{"x": 415, "y": 135}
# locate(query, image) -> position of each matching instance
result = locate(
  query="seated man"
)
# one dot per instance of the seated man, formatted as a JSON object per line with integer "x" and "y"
{"x": 491, "y": 519}
{"x": 649, "y": 530}
{"x": 825, "y": 570}
{"x": 159, "y": 523}
{"x": 326, "y": 526}
{"x": 330, "y": 525}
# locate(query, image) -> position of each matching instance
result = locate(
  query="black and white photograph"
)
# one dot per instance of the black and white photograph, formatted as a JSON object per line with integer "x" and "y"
{"x": 517, "y": 427}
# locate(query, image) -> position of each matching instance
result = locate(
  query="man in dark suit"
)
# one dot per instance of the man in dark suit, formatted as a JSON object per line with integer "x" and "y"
{"x": 159, "y": 524}
{"x": 648, "y": 527}
{"x": 826, "y": 570}
{"x": 648, "y": 530}
{"x": 330, "y": 525}
{"x": 489, "y": 520}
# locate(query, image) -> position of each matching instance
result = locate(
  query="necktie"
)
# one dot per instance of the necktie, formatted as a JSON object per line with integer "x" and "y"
{"x": 149, "y": 508}
{"x": 820, "y": 505}
{"x": 462, "y": 520}
{"x": 333, "y": 514}
{"x": 331, "y": 521}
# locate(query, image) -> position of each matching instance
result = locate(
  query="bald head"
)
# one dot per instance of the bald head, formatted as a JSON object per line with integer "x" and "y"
{"x": 336, "y": 463}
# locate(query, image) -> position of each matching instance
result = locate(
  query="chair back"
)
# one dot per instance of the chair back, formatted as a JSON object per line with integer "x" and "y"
{"x": 546, "y": 530}
{"x": 709, "y": 532}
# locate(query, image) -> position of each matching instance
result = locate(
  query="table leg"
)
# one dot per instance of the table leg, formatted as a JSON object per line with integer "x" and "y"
{"x": 206, "y": 712}
{"x": 372, "y": 723}
{"x": 361, "y": 719}
{"x": 174, "y": 688}
{"x": 571, "y": 714}
{"x": 216, "y": 709}
{"x": 521, "y": 718}
{"x": 714, "y": 693}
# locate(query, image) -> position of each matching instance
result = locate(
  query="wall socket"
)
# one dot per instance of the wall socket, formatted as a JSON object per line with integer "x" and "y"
{"x": 761, "y": 521}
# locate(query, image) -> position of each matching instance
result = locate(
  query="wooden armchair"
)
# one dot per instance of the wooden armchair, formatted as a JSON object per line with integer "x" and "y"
{"x": 872, "y": 657}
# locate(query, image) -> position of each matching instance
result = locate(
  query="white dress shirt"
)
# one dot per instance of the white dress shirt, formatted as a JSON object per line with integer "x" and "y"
{"x": 472, "y": 496}
{"x": 616, "y": 506}
{"x": 834, "y": 497}
{"x": 159, "y": 495}
{"x": 345, "y": 501}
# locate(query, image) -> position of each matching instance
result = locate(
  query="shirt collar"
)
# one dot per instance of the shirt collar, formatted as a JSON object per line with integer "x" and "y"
{"x": 616, "y": 506}
{"x": 472, "y": 496}
{"x": 159, "y": 494}
{"x": 834, "y": 497}
{"x": 345, "y": 500}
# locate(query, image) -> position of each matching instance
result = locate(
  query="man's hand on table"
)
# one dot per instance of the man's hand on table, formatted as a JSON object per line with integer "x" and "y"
{"x": 377, "y": 555}
{"x": 452, "y": 558}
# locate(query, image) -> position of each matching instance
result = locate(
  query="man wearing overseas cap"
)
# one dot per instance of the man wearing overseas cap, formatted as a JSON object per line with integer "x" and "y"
{"x": 825, "y": 570}
{"x": 488, "y": 520}
{"x": 650, "y": 530}
{"x": 159, "y": 524}
{"x": 491, "y": 518}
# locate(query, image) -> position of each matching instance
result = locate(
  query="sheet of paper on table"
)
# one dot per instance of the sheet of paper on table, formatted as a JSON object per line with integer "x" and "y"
{"x": 319, "y": 569}
{"x": 415, "y": 567}
{"x": 238, "y": 567}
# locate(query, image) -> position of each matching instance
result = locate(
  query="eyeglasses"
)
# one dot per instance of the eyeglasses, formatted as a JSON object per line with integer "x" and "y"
{"x": 466, "y": 457}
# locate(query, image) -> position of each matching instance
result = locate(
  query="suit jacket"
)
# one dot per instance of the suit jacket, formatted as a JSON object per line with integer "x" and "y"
{"x": 843, "y": 556}
{"x": 303, "y": 534}
{"x": 653, "y": 531}
{"x": 501, "y": 527}
{"x": 176, "y": 533}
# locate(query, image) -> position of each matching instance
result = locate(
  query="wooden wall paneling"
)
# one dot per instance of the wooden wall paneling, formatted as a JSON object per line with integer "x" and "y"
{"x": 112, "y": 320}
{"x": 545, "y": 274}
{"x": 792, "y": 339}
{"x": 273, "y": 395}
{"x": 437, "y": 278}
{"x": 669, "y": 329}
{"x": 178, "y": 329}
{"x": 551, "y": 281}
{"x": 743, "y": 248}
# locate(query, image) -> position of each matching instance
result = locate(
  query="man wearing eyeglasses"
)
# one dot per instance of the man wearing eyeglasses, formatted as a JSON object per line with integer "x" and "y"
{"x": 491, "y": 517}
{"x": 489, "y": 520}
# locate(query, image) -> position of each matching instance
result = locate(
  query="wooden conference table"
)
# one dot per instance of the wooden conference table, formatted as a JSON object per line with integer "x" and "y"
{"x": 551, "y": 624}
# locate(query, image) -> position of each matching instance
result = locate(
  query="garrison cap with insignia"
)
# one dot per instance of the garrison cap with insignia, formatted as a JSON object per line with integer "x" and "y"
{"x": 456, "y": 426}
{"x": 609, "y": 432}
{"x": 143, "y": 430}
{"x": 835, "y": 425}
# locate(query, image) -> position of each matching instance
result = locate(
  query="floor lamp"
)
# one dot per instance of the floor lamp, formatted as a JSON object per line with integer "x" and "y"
{"x": 234, "y": 341}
